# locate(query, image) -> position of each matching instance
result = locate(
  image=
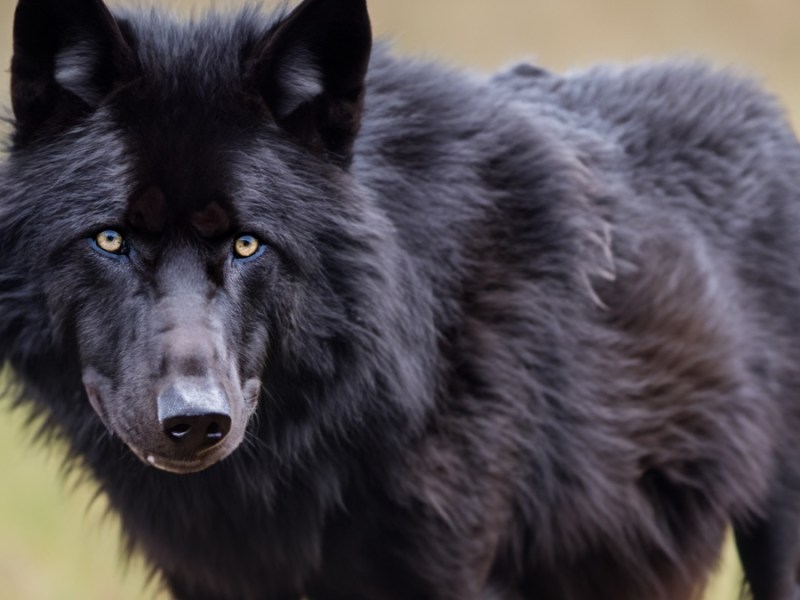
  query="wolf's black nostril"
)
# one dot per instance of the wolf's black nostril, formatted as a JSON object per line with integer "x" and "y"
{"x": 214, "y": 432}
{"x": 179, "y": 431}
{"x": 197, "y": 432}
{"x": 194, "y": 415}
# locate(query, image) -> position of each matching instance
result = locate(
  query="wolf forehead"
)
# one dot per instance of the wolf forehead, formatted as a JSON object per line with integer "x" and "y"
{"x": 149, "y": 212}
{"x": 202, "y": 60}
{"x": 174, "y": 82}
{"x": 184, "y": 114}
{"x": 181, "y": 99}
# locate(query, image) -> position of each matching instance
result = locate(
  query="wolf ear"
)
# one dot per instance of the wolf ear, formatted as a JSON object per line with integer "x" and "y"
{"x": 309, "y": 70}
{"x": 67, "y": 56}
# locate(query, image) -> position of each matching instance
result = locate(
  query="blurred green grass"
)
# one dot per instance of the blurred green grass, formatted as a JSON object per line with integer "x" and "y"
{"x": 53, "y": 548}
{"x": 56, "y": 543}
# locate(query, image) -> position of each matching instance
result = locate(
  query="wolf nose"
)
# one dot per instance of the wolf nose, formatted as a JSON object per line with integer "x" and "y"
{"x": 197, "y": 432}
{"x": 194, "y": 414}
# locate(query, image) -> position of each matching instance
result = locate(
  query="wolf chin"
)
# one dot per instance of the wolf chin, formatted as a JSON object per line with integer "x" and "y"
{"x": 324, "y": 323}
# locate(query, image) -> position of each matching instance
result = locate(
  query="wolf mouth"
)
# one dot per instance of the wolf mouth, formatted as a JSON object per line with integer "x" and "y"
{"x": 180, "y": 467}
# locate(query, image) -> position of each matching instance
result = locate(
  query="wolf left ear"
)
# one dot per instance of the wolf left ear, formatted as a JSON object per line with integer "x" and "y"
{"x": 67, "y": 56}
{"x": 310, "y": 69}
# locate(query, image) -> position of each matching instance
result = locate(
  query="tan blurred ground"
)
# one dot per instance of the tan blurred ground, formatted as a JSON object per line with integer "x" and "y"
{"x": 50, "y": 549}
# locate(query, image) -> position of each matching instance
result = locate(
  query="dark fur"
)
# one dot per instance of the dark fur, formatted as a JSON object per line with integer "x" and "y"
{"x": 533, "y": 336}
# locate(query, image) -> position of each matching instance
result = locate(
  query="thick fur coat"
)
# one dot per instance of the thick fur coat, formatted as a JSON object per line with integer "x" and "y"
{"x": 523, "y": 337}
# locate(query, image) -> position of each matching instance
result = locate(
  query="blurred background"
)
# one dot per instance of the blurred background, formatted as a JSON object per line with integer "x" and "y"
{"x": 52, "y": 547}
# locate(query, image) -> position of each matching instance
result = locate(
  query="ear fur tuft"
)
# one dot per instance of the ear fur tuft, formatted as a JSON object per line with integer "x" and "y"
{"x": 310, "y": 70}
{"x": 68, "y": 54}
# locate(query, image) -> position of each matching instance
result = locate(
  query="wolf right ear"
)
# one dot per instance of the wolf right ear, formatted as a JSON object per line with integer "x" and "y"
{"x": 310, "y": 69}
{"x": 67, "y": 56}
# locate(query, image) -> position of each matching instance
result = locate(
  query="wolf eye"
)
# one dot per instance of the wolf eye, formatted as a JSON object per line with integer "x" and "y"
{"x": 110, "y": 241}
{"x": 246, "y": 246}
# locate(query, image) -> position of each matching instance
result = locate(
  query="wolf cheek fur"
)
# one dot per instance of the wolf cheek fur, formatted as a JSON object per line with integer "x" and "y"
{"x": 528, "y": 337}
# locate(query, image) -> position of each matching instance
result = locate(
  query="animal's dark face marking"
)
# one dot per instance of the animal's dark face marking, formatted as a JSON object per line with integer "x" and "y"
{"x": 211, "y": 221}
{"x": 147, "y": 211}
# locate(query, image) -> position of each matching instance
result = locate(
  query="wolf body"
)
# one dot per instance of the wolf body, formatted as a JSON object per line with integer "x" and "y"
{"x": 526, "y": 336}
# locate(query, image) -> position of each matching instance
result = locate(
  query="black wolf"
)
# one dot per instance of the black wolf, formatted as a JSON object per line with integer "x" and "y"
{"x": 325, "y": 323}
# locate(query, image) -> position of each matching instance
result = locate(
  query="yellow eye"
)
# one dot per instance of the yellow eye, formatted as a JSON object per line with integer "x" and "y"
{"x": 110, "y": 241}
{"x": 246, "y": 246}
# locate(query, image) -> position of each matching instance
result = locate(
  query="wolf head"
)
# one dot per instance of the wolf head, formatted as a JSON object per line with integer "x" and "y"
{"x": 179, "y": 234}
